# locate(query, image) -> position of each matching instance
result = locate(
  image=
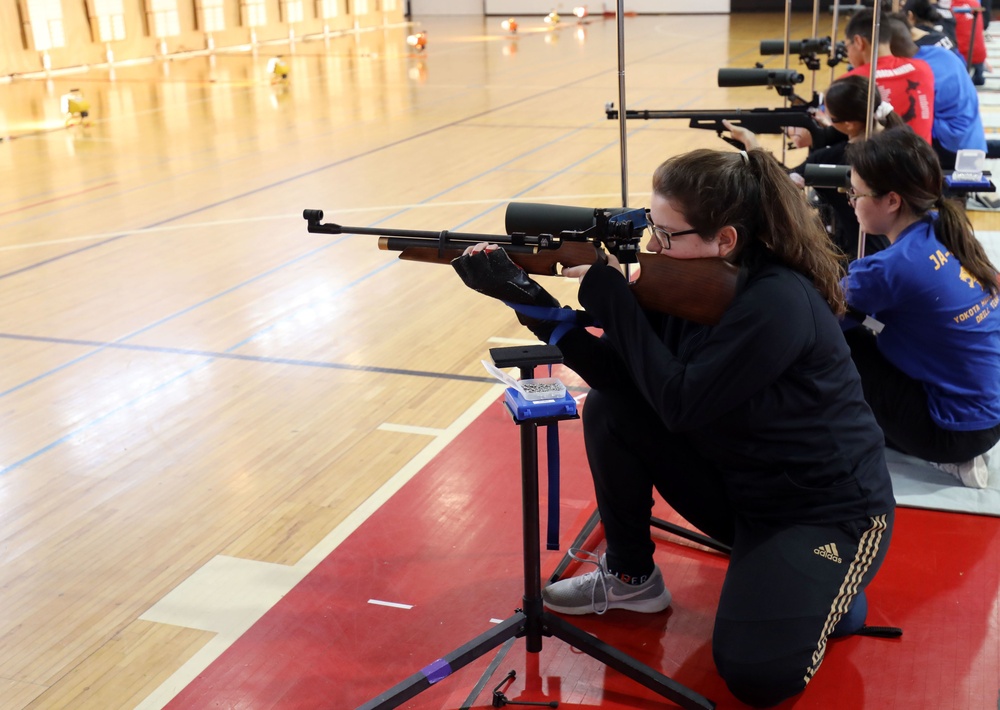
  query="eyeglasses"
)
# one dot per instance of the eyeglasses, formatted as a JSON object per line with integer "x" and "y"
{"x": 662, "y": 236}
{"x": 853, "y": 195}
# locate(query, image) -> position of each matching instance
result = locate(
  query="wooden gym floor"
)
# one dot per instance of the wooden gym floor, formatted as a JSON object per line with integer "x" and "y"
{"x": 196, "y": 391}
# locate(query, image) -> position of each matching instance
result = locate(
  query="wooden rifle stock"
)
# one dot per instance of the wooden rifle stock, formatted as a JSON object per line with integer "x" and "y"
{"x": 698, "y": 290}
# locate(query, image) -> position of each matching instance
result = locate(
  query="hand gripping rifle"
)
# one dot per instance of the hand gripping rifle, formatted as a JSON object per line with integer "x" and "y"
{"x": 541, "y": 238}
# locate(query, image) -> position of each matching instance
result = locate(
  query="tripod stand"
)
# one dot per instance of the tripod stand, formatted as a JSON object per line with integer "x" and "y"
{"x": 533, "y": 622}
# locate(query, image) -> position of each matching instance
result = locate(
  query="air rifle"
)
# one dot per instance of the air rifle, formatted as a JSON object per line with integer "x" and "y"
{"x": 542, "y": 238}
{"x": 808, "y": 49}
{"x": 758, "y": 120}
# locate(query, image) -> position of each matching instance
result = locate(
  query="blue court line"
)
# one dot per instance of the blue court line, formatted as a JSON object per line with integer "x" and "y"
{"x": 57, "y": 193}
{"x": 550, "y": 175}
{"x": 309, "y": 173}
{"x": 166, "y": 319}
{"x": 68, "y": 254}
{"x": 209, "y": 360}
{"x": 307, "y": 254}
{"x": 298, "y": 141}
{"x": 259, "y": 276}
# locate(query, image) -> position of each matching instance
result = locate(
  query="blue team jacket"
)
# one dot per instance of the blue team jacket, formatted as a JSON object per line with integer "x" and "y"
{"x": 941, "y": 327}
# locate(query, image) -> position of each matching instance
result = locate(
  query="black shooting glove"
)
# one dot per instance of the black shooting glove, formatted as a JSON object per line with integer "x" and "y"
{"x": 493, "y": 273}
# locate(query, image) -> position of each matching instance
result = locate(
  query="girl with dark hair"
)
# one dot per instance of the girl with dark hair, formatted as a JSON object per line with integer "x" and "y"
{"x": 932, "y": 375}
{"x": 846, "y": 104}
{"x": 930, "y": 17}
{"x": 754, "y": 429}
{"x": 846, "y": 110}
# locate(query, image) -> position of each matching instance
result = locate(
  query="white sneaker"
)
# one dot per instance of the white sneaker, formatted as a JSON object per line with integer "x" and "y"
{"x": 982, "y": 202}
{"x": 598, "y": 591}
{"x": 972, "y": 474}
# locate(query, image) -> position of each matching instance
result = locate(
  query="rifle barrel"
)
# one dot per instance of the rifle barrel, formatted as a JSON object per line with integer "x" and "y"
{"x": 401, "y": 243}
{"x": 467, "y": 237}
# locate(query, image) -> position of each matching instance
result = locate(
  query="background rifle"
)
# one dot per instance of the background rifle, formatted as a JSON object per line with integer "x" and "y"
{"x": 758, "y": 120}
{"x": 698, "y": 290}
{"x": 808, "y": 50}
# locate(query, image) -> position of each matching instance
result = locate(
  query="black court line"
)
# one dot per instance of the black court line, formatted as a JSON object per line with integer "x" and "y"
{"x": 251, "y": 358}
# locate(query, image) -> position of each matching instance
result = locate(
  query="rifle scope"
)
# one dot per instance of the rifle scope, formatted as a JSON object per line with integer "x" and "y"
{"x": 824, "y": 175}
{"x": 759, "y": 77}
{"x": 812, "y": 45}
{"x": 534, "y": 219}
{"x": 618, "y": 228}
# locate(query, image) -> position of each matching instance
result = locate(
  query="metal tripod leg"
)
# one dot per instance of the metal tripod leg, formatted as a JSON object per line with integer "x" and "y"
{"x": 588, "y": 528}
{"x": 626, "y": 665}
{"x": 532, "y": 623}
{"x": 448, "y": 664}
{"x": 691, "y": 535}
{"x": 585, "y": 532}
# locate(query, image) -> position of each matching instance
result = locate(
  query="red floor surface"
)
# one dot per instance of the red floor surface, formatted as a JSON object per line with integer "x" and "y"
{"x": 449, "y": 543}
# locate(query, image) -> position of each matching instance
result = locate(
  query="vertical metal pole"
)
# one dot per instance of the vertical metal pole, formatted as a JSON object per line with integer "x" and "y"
{"x": 788, "y": 29}
{"x": 833, "y": 34}
{"x": 872, "y": 68}
{"x": 872, "y": 89}
{"x": 623, "y": 134}
{"x": 529, "y": 524}
{"x": 815, "y": 33}
{"x": 788, "y": 40}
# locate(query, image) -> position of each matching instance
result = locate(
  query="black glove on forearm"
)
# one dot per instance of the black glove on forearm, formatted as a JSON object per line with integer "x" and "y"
{"x": 494, "y": 274}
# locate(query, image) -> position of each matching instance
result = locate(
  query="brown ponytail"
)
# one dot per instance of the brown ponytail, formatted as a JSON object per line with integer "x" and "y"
{"x": 956, "y": 233}
{"x": 751, "y": 192}
{"x": 898, "y": 160}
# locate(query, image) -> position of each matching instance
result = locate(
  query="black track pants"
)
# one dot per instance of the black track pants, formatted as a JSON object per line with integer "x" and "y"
{"x": 900, "y": 406}
{"x": 787, "y": 584}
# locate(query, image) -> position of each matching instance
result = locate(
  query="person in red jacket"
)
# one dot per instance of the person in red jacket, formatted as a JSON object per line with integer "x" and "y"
{"x": 971, "y": 44}
{"x": 905, "y": 82}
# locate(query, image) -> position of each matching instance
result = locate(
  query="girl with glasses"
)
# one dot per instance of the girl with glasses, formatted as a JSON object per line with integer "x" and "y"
{"x": 754, "y": 429}
{"x": 846, "y": 109}
{"x": 932, "y": 375}
{"x": 846, "y": 104}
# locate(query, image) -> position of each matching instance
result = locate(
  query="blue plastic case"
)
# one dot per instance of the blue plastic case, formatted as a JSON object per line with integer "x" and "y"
{"x": 522, "y": 409}
{"x": 981, "y": 185}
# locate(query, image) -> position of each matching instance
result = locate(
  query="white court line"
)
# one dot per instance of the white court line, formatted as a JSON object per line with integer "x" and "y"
{"x": 514, "y": 341}
{"x": 394, "y": 605}
{"x": 407, "y": 429}
{"x": 297, "y": 216}
{"x": 236, "y": 623}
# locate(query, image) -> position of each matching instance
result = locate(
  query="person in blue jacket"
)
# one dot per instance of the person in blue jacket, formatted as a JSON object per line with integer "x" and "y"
{"x": 932, "y": 375}
{"x": 957, "y": 124}
{"x": 755, "y": 429}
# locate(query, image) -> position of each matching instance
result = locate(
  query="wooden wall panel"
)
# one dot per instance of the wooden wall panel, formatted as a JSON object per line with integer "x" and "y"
{"x": 13, "y": 56}
{"x": 17, "y": 55}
